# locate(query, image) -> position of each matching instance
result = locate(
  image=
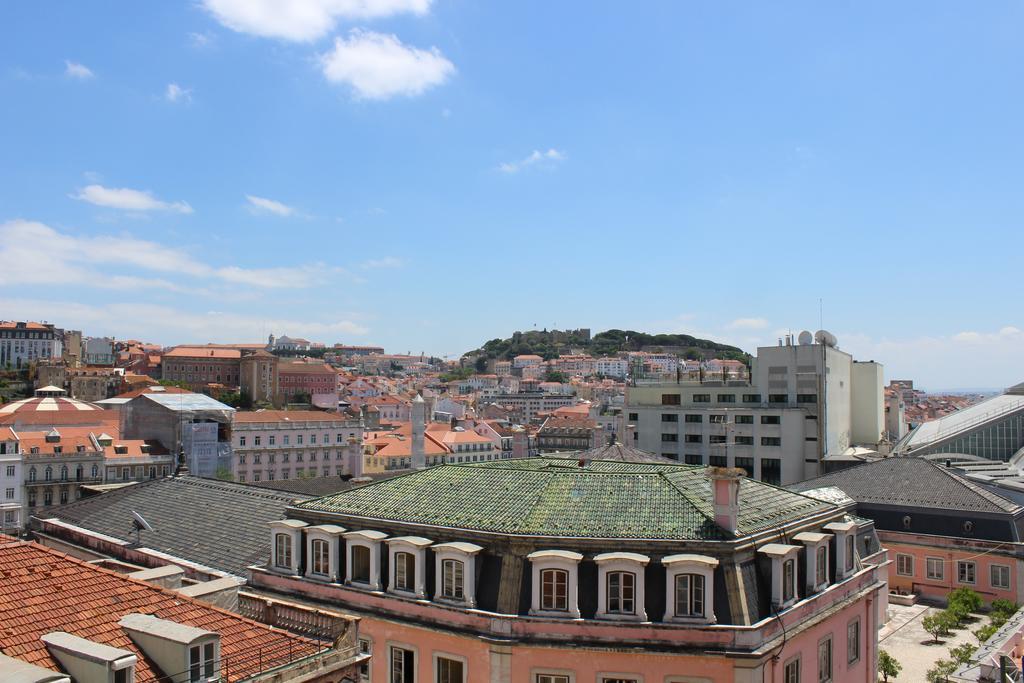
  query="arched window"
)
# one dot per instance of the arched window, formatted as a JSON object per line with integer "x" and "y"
{"x": 79, "y": 473}
{"x": 32, "y": 474}
{"x": 48, "y": 476}
{"x": 554, "y": 590}
{"x": 850, "y": 552}
{"x": 405, "y": 571}
{"x": 788, "y": 580}
{"x": 95, "y": 471}
{"x": 283, "y": 551}
{"x": 63, "y": 472}
{"x": 689, "y": 595}
{"x": 452, "y": 580}
{"x": 821, "y": 565}
{"x": 360, "y": 564}
{"x": 321, "y": 557}
{"x": 621, "y": 591}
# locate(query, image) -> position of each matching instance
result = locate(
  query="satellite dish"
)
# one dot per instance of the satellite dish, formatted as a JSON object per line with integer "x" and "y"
{"x": 805, "y": 338}
{"x": 140, "y": 522}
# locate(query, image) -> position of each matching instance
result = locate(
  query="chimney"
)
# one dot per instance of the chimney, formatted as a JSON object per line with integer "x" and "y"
{"x": 725, "y": 496}
{"x": 419, "y": 426}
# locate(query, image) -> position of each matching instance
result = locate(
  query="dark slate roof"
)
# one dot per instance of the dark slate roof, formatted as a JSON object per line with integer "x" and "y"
{"x": 322, "y": 486}
{"x": 554, "y": 497}
{"x": 621, "y": 452}
{"x": 220, "y": 524}
{"x": 911, "y": 482}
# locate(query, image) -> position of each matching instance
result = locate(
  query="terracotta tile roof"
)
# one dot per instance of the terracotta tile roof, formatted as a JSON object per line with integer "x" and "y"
{"x": 42, "y": 591}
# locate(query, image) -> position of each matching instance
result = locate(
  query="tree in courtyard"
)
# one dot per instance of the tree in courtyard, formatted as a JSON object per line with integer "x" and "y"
{"x": 962, "y": 654}
{"x": 941, "y": 672}
{"x": 888, "y": 666}
{"x": 986, "y": 632}
{"x": 966, "y": 598}
{"x": 937, "y": 624}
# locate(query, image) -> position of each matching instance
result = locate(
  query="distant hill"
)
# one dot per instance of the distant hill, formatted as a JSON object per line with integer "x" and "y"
{"x": 555, "y": 343}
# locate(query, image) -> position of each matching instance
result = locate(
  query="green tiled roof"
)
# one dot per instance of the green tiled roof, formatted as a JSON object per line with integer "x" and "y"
{"x": 555, "y": 497}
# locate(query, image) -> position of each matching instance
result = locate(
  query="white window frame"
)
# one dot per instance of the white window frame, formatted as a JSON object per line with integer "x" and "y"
{"x": 799, "y": 669}
{"x": 448, "y": 655}
{"x": 974, "y": 570}
{"x": 901, "y": 560}
{"x": 844, "y": 531}
{"x": 402, "y": 646}
{"x": 369, "y": 662}
{"x": 813, "y": 544}
{"x": 780, "y": 553}
{"x": 617, "y": 677}
{"x": 293, "y": 529}
{"x": 689, "y": 564}
{"x": 535, "y": 674}
{"x": 831, "y": 659}
{"x": 633, "y": 563}
{"x": 853, "y": 658}
{"x": 369, "y": 539}
{"x": 935, "y": 576}
{"x": 991, "y": 577}
{"x": 564, "y": 560}
{"x": 461, "y": 552}
{"x": 417, "y": 547}
{"x": 332, "y": 534}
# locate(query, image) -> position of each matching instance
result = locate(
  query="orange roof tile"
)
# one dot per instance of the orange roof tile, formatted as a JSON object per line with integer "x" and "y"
{"x": 42, "y": 591}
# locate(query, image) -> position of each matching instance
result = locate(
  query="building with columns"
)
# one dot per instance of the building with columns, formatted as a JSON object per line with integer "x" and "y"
{"x": 546, "y": 570}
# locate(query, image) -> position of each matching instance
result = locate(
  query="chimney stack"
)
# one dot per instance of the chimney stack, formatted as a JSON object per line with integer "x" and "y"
{"x": 725, "y": 496}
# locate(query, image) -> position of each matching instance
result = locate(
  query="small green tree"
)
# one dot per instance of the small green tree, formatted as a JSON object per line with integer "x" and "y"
{"x": 962, "y": 654}
{"x": 1004, "y": 608}
{"x": 937, "y": 624}
{"x": 967, "y": 598}
{"x": 958, "y": 613}
{"x": 888, "y": 666}
{"x": 941, "y": 672}
{"x": 986, "y": 632}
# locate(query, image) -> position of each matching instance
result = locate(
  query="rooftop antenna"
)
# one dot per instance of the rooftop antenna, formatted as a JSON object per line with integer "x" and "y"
{"x": 139, "y": 523}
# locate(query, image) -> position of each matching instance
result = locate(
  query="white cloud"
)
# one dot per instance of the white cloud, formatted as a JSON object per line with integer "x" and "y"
{"x": 547, "y": 158}
{"x": 200, "y": 40}
{"x": 127, "y": 199}
{"x": 303, "y": 20}
{"x": 748, "y": 324}
{"x": 264, "y": 205}
{"x": 36, "y": 253}
{"x": 168, "y": 325}
{"x": 76, "y": 70}
{"x": 378, "y": 66}
{"x": 383, "y": 262}
{"x": 175, "y": 93}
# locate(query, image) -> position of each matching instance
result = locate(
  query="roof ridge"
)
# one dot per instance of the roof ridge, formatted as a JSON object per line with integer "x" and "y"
{"x": 989, "y": 496}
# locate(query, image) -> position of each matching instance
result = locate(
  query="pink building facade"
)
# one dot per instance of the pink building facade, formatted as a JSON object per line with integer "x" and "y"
{"x": 540, "y": 571}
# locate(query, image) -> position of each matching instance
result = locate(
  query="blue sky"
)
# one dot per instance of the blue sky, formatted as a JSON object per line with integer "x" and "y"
{"x": 428, "y": 175}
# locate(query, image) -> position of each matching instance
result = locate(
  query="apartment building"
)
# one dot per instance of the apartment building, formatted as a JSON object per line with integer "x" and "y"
{"x": 12, "y": 488}
{"x": 807, "y": 400}
{"x": 22, "y": 343}
{"x": 290, "y": 444}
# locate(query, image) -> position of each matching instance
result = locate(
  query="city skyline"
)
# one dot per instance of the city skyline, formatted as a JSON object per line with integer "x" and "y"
{"x": 413, "y": 174}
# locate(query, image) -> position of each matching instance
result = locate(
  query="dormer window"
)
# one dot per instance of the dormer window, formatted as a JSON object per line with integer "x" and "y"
{"x": 363, "y": 559}
{"x": 846, "y": 548}
{"x": 783, "y": 558}
{"x": 202, "y": 662}
{"x": 689, "y": 586}
{"x": 407, "y": 560}
{"x": 81, "y": 658}
{"x": 555, "y": 583}
{"x": 174, "y": 646}
{"x": 322, "y": 551}
{"x": 621, "y": 586}
{"x": 456, "y": 571}
{"x": 817, "y": 559}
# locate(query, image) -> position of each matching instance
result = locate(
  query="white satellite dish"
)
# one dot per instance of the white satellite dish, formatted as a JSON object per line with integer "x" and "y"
{"x": 140, "y": 522}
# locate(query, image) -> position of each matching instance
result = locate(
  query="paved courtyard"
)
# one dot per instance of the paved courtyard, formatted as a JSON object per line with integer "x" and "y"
{"x": 906, "y": 640}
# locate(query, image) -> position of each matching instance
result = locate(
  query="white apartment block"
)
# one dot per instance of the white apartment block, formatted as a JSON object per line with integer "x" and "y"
{"x": 24, "y": 342}
{"x": 611, "y": 367}
{"x": 804, "y": 402}
{"x": 283, "y": 444}
{"x": 12, "y": 484}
